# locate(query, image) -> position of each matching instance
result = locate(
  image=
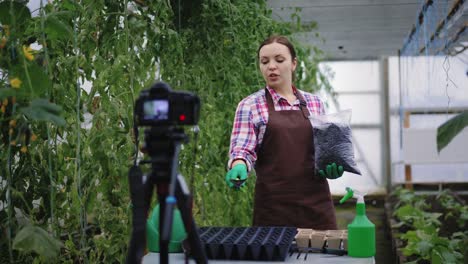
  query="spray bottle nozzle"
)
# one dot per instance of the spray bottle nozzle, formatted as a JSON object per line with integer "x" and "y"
{"x": 350, "y": 193}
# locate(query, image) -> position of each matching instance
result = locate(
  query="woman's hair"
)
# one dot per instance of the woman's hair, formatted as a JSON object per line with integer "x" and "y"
{"x": 281, "y": 40}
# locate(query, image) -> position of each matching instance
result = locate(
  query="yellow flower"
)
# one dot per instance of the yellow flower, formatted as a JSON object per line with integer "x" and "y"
{"x": 3, "y": 109}
{"x": 15, "y": 82}
{"x": 24, "y": 149}
{"x": 13, "y": 143}
{"x": 33, "y": 137}
{"x": 5, "y": 102}
{"x": 27, "y": 51}
{"x": 13, "y": 123}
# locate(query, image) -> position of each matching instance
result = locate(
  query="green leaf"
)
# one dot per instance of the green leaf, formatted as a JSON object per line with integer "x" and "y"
{"x": 21, "y": 12}
{"x": 407, "y": 212}
{"x": 45, "y": 104}
{"x": 447, "y": 255}
{"x": 69, "y": 5}
{"x": 33, "y": 238}
{"x": 34, "y": 80}
{"x": 43, "y": 110}
{"x": 424, "y": 247}
{"x": 39, "y": 80}
{"x": 436, "y": 257}
{"x": 56, "y": 28}
{"x": 7, "y": 92}
{"x": 448, "y": 130}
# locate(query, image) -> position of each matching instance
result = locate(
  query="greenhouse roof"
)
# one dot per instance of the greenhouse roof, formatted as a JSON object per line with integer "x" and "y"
{"x": 353, "y": 29}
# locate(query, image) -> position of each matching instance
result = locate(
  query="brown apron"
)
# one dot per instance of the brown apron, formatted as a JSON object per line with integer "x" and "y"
{"x": 287, "y": 191}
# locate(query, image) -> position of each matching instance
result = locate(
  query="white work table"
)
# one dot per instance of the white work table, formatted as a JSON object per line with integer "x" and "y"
{"x": 315, "y": 258}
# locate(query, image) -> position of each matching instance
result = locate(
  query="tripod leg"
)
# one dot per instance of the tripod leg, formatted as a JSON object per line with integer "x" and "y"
{"x": 140, "y": 195}
{"x": 162, "y": 190}
{"x": 184, "y": 202}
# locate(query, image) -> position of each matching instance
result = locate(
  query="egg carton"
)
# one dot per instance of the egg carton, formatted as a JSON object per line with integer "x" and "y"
{"x": 322, "y": 241}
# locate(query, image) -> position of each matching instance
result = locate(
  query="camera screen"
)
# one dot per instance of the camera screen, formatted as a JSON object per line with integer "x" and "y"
{"x": 156, "y": 110}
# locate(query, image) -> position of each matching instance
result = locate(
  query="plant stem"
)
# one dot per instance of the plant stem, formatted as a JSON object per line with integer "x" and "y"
{"x": 78, "y": 142}
{"x": 8, "y": 195}
{"x": 9, "y": 169}
{"x": 49, "y": 154}
{"x": 28, "y": 78}
{"x": 130, "y": 72}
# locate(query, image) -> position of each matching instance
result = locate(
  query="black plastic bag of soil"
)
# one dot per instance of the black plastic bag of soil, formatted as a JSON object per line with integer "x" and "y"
{"x": 333, "y": 141}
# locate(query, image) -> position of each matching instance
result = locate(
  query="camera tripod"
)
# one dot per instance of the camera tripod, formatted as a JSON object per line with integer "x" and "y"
{"x": 163, "y": 146}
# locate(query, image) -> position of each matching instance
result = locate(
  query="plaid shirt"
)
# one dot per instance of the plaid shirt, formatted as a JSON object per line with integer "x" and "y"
{"x": 251, "y": 120}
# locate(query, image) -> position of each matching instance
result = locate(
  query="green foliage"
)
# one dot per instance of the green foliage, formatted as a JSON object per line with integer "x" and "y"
{"x": 430, "y": 246}
{"x": 423, "y": 237}
{"x": 418, "y": 218}
{"x": 455, "y": 209}
{"x": 448, "y": 130}
{"x": 34, "y": 238}
{"x": 42, "y": 110}
{"x": 406, "y": 196}
{"x": 14, "y": 13}
{"x": 66, "y": 150}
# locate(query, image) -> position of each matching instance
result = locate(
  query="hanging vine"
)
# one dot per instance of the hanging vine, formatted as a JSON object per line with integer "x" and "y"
{"x": 68, "y": 81}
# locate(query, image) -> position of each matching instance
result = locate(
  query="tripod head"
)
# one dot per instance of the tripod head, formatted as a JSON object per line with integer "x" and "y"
{"x": 160, "y": 145}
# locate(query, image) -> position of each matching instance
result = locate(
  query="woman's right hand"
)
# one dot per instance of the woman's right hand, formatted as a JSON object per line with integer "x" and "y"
{"x": 237, "y": 175}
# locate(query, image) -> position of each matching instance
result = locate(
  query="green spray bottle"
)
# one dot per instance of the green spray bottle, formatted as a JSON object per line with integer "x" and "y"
{"x": 361, "y": 232}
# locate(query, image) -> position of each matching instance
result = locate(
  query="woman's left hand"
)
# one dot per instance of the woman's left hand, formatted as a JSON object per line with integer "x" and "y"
{"x": 332, "y": 171}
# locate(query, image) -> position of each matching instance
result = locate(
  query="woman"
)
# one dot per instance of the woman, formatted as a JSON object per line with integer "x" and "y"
{"x": 272, "y": 133}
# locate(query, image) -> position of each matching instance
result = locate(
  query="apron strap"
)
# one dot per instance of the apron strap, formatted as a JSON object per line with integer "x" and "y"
{"x": 302, "y": 102}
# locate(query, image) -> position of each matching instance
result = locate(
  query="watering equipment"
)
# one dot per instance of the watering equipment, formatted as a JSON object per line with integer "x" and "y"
{"x": 361, "y": 232}
{"x": 178, "y": 233}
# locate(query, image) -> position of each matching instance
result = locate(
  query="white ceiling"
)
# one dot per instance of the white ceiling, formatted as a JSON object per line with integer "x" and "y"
{"x": 352, "y": 29}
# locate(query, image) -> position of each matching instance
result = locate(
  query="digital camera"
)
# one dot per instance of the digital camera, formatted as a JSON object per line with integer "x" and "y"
{"x": 161, "y": 106}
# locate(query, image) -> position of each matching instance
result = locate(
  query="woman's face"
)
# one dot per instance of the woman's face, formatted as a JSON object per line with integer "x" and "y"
{"x": 276, "y": 65}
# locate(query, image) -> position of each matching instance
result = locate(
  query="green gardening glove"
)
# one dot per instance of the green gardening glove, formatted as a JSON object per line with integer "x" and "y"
{"x": 332, "y": 171}
{"x": 235, "y": 178}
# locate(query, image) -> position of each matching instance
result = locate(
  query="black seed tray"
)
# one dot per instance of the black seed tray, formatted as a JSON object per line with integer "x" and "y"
{"x": 247, "y": 243}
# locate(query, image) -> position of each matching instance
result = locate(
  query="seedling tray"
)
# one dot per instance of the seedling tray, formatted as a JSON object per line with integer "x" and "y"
{"x": 247, "y": 243}
{"x": 321, "y": 241}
